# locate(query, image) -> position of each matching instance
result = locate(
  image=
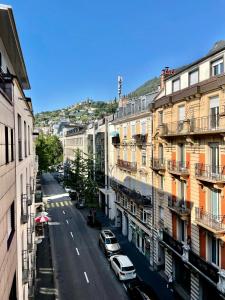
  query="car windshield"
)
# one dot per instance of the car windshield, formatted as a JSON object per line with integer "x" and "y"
{"x": 111, "y": 241}
{"x": 130, "y": 268}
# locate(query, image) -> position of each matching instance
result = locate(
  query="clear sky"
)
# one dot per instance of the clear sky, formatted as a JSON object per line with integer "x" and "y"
{"x": 75, "y": 49}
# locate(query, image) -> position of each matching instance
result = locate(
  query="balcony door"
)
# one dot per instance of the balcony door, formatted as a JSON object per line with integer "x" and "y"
{"x": 161, "y": 153}
{"x": 182, "y": 193}
{"x": 214, "y": 113}
{"x": 181, "y": 117}
{"x": 214, "y": 207}
{"x": 214, "y": 159}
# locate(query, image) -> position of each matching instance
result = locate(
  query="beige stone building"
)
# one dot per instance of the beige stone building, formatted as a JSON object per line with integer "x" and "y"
{"x": 17, "y": 168}
{"x": 189, "y": 176}
{"x": 130, "y": 172}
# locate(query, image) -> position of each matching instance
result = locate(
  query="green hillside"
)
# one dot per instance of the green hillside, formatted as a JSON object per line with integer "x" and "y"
{"x": 148, "y": 87}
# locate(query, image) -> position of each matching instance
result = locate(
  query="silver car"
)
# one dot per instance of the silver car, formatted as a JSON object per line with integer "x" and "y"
{"x": 108, "y": 242}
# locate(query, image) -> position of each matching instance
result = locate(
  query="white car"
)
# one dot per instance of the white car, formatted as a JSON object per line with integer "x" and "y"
{"x": 123, "y": 267}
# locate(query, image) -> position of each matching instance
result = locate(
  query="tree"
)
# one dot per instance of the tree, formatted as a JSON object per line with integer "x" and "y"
{"x": 49, "y": 150}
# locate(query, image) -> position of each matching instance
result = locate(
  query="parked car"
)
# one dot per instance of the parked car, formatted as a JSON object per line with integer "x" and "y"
{"x": 123, "y": 267}
{"x": 108, "y": 242}
{"x": 139, "y": 290}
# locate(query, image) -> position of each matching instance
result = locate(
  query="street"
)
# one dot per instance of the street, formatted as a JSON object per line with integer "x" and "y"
{"x": 81, "y": 270}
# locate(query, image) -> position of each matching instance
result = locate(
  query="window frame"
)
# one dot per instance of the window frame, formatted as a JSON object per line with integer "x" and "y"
{"x": 189, "y": 77}
{"x": 211, "y": 66}
{"x": 173, "y": 81}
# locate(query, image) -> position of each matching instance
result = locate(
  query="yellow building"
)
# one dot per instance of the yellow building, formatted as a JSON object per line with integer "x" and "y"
{"x": 189, "y": 175}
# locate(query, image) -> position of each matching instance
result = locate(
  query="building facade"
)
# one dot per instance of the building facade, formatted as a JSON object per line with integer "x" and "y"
{"x": 17, "y": 168}
{"x": 189, "y": 177}
{"x": 130, "y": 172}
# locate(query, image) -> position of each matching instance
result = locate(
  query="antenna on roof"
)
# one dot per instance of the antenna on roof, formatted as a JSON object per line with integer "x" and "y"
{"x": 120, "y": 81}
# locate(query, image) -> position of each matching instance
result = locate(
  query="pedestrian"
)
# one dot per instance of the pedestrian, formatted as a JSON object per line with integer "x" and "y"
{"x": 170, "y": 282}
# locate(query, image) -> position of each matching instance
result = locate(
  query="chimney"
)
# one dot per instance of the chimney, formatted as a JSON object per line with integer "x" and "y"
{"x": 162, "y": 79}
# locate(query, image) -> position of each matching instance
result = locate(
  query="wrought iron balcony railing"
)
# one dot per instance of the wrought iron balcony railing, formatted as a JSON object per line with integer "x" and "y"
{"x": 127, "y": 165}
{"x": 29, "y": 239}
{"x": 29, "y": 195}
{"x": 158, "y": 164}
{"x": 140, "y": 139}
{"x": 24, "y": 209}
{"x": 25, "y": 266}
{"x": 212, "y": 173}
{"x": 116, "y": 140}
{"x": 179, "y": 207}
{"x": 193, "y": 126}
{"x": 178, "y": 167}
{"x": 210, "y": 221}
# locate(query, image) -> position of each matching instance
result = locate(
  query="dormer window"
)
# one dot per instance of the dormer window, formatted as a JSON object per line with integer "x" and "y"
{"x": 217, "y": 67}
{"x": 176, "y": 85}
{"x": 193, "y": 77}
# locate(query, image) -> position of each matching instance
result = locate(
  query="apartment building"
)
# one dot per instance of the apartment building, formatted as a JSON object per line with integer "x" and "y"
{"x": 189, "y": 175}
{"x": 130, "y": 172}
{"x": 17, "y": 172}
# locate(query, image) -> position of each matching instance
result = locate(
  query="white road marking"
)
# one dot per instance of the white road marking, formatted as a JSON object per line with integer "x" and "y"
{"x": 67, "y": 221}
{"x": 85, "y": 274}
{"x": 64, "y": 212}
{"x": 77, "y": 251}
{"x": 71, "y": 234}
{"x": 124, "y": 286}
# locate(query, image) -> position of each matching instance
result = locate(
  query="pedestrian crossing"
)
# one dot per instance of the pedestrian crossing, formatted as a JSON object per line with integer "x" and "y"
{"x": 59, "y": 204}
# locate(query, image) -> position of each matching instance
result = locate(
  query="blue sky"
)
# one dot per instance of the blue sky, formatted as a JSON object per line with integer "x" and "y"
{"x": 75, "y": 49}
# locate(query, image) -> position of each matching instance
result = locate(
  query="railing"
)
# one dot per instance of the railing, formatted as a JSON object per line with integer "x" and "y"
{"x": 25, "y": 266}
{"x": 32, "y": 223}
{"x": 213, "y": 221}
{"x": 140, "y": 139}
{"x": 29, "y": 240}
{"x": 192, "y": 126}
{"x": 20, "y": 149}
{"x": 158, "y": 164}
{"x": 178, "y": 166}
{"x": 171, "y": 242}
{"x": 116, "y": 140}
{"x": 210, "y": 172}
{"x": 24, "y": 209}
{"x": 179, "y": 206}
{"x": 127, "y": 165}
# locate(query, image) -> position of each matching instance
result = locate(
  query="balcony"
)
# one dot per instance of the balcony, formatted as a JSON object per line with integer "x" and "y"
{"x": 29, "y": 240}
{"x": 127, "y": 165}
{"x": 137, "y": 197}
{"x": 25, "y": 266}
{"x": 180, "y": 168}
{"x": 172, "y": 243}
{"x": 209, "y": 221}
{"x": 140, "y": 139}
{"x": 195, "y": 126}
{"x": 210, "y": 173}
{"x": 179, "y": 207}
{"x": 24, "y": 209}
{"x": 116, "y": 140}
{"x": 158, "y": 164}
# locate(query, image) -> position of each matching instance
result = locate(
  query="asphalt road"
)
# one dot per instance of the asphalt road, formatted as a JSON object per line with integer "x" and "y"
{"x": 82, "y": 271}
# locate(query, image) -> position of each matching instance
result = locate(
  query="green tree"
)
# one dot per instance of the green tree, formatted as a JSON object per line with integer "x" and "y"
{"x": 49, "y": 150}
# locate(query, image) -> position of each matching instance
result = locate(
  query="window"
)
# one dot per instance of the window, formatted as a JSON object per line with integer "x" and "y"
{"x": 193, "y": 77}
{"x": 217, "y": 67}
{"x": 176, "y": 85}
{"x": 181, "y": 153}
{"x": 143, "y": 104}
{"x": 161, "y": 213}
{"x": 213, "y": 248}
{"x": 182, "y": 230}
{"x": 25, "y": 139}
{"x": 28, "y": 140}
{"x": 133, "y": 129}
{"x": 6, "y": 145}
{"x": 125, "y": 202}
{"x": 182, "y": 192}
{"x": 214, "y": 201}
{"x": 161, "y": 154}
{"x": 143, "y": 215}
{"x": 161, "y": 182}
{"x": 181, "y": 117}
{"x": 133, "y": 208}
{"x": 125, "y": 132}
{"x": 214, "y": 160}
{"x": 160, "y": 115}
{"x": 143, "y": 158}
{"x": 143, "y": 128}
{"x": 19, "y": 126}
{"x": 10, "y": 224}
{"x": 12, "y": 146}
{"x": 214, "y": 112}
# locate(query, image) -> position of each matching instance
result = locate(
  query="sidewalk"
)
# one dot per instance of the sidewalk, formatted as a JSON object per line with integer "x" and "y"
{"x": 45, "y": 289}
{"x": 152, "y": 278}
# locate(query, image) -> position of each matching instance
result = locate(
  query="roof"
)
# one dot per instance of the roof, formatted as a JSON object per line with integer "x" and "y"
{"x": 10, "y": 38}
{"x": 217, "y": 47}
{"x": 124, "y": 260}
